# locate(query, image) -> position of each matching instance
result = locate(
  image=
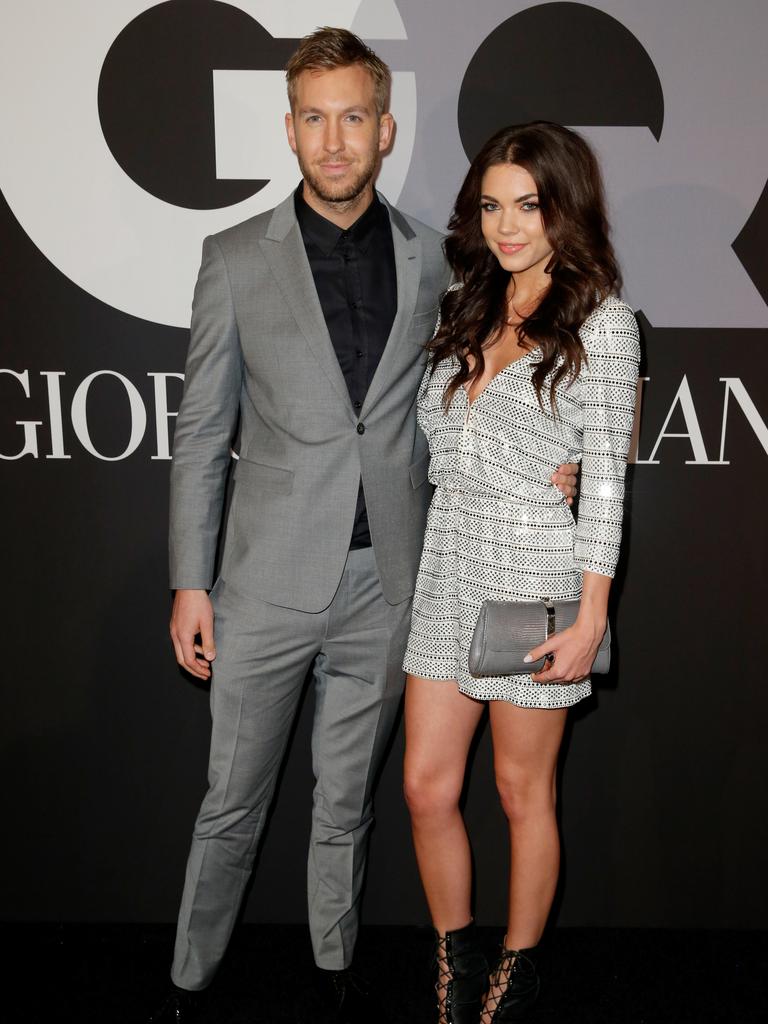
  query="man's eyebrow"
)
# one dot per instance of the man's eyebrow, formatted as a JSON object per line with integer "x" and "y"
{"x": 347, "y": 110}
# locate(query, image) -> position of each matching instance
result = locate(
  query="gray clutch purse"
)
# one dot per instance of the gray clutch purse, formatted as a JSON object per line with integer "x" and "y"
{"x": 507, "y": 630}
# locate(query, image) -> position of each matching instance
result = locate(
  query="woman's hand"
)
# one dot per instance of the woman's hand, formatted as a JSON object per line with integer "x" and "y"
{"x": 574, "y": 650}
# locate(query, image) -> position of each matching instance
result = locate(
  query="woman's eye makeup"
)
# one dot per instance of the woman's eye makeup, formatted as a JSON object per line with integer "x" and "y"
{"x": 529, "y": 206}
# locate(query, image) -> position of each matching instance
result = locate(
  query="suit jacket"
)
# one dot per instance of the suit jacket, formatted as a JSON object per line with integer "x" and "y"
{"x": 261, "y": 358}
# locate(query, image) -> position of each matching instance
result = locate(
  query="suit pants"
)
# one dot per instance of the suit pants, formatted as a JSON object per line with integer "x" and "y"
{"x": 264, "y": 652}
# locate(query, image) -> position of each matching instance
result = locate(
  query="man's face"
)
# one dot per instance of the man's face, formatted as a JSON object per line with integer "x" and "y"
{"x": 335, "y": 132}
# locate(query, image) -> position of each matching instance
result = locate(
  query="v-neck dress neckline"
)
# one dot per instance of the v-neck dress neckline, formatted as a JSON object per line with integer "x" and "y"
{"x": 525, "y": 357}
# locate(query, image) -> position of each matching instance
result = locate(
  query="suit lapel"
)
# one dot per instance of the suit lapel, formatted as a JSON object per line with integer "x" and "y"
{"x": 284, "y": 251}
{"x": 407, "y": 246}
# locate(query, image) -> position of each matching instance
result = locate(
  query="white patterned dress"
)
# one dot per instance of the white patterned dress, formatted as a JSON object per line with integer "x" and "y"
{"x": 497, "y": 527}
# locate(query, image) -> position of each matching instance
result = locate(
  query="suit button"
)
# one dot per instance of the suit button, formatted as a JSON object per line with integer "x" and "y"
{"x": 361, "y": 428}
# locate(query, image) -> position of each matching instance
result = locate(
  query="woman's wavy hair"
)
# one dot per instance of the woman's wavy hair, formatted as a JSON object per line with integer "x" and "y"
{"x": 582, "y": 267}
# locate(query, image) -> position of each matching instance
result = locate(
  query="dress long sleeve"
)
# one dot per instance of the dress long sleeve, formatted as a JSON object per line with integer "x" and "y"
{"x": 608, "y": 386}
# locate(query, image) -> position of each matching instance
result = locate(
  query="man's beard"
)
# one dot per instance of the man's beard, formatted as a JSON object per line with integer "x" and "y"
{"x": 342, "y": 192}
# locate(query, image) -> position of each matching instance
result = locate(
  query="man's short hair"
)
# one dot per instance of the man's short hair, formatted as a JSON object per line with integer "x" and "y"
{"x": 329, "y": 48}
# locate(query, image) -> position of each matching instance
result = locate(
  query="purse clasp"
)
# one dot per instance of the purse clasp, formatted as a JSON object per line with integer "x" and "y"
{"x": 551, "y": 623}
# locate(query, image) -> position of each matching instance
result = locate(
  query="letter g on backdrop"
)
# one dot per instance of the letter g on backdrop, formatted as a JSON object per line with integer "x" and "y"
{"x": 133, "y": 129}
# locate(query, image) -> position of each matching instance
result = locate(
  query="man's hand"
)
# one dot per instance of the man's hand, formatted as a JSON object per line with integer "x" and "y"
{"x": 192, "y": 615}
{"x": 564, "y": 478}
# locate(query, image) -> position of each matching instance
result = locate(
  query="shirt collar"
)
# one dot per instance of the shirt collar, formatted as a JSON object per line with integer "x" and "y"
{"x": 326, "y": 235}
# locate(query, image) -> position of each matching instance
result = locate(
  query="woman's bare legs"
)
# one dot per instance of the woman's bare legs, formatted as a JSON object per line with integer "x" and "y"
{"x": 526, "y": 743}
{"x": 439, "y": 725}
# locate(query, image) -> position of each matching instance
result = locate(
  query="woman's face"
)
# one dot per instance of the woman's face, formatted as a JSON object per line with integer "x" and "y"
{"x": 511, "y": 219}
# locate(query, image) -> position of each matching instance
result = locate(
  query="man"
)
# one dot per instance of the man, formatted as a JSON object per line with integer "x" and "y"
{"x": 307, "y": 331}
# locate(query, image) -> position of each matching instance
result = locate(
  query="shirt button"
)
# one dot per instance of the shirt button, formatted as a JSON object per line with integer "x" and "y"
{"x": 359, "y": 354}
{"x": 361, "y": 428}
{"x": 358, "y": 405}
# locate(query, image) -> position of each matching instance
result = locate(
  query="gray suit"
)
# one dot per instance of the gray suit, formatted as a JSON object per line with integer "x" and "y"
{"x": 290, "y": 595}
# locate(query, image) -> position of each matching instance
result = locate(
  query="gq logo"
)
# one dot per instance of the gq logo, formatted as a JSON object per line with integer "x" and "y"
{"x": 132, "y": 129}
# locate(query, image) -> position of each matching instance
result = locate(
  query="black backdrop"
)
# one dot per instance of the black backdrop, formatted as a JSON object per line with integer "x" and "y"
{"x": 104, "y": 743}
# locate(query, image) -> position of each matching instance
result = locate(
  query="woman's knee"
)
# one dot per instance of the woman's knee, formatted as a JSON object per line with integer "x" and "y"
{"x": 430, "y": 794}
{"x": 524, "y": 796}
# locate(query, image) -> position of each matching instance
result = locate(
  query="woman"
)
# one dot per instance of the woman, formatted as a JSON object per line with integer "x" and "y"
{"x": 534, "y": 363}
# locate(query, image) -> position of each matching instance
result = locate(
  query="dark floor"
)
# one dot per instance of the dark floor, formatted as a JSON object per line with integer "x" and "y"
{"x": 115, "y": 974}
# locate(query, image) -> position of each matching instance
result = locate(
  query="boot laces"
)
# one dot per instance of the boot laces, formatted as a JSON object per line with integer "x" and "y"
{"x": 511, "y": 962}
{"x": 444, "y": 979}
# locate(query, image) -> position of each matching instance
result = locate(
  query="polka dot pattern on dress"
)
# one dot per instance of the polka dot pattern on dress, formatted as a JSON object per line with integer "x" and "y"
{"x": 497, "y": 527}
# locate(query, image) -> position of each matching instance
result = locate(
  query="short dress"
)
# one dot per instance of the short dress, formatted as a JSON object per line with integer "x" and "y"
{"x": 497, "y": 527}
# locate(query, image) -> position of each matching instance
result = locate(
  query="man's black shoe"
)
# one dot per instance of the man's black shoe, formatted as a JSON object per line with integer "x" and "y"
{"x": 179, "y": 1007}
{"x": 347, "y": 998}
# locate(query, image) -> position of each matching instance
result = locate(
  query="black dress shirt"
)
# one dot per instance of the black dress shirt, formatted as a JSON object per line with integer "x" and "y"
{"x": 354, "y": 273}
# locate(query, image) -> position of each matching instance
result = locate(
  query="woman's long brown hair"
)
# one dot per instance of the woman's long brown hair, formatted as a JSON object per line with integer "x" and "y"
{"x": 582, "y": 268}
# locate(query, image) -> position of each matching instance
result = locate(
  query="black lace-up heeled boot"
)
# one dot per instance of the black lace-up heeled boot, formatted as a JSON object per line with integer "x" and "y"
{"x": 179, "y": 1007}
{"x": 462, "y": 976}
{"x": 513, "y": 987}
